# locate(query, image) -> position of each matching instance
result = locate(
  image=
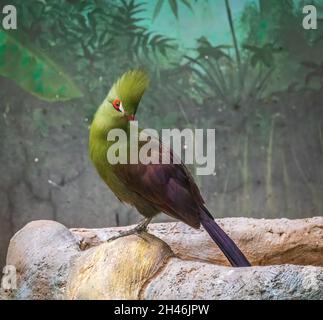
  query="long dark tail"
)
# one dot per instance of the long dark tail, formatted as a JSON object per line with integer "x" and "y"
{"x": 225, "y": 243}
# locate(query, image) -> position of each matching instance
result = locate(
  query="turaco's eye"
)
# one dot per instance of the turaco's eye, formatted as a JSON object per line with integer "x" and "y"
{"x": 117, "y": 104}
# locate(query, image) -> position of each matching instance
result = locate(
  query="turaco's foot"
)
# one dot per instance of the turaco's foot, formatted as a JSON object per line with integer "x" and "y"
{"x": 140, "y": 227}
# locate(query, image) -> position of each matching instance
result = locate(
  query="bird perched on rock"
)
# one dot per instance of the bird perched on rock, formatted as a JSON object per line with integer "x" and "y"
{"x": 154, "y": 187}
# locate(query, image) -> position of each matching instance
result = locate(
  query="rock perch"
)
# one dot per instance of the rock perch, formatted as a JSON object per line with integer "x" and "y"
{"x": 173, "y": 261}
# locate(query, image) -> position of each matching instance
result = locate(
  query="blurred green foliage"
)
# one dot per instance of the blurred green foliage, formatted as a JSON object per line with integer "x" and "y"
{"x": 97, "y": 40}
{"x": 33, "y": 71}
{"x": 279, "y": 23}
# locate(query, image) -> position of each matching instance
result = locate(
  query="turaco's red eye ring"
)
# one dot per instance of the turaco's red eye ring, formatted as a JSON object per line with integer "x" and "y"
{"x": 116, "y": 104}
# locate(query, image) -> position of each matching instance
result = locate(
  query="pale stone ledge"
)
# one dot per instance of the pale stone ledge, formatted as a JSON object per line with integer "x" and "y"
{"x": 174, "y": 261}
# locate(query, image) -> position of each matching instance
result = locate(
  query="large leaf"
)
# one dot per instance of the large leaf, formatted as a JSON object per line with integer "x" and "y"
{"x": 34, "y": 72}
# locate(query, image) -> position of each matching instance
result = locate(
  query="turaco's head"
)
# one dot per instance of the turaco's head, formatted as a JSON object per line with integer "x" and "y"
{"x": 124, "y": 96}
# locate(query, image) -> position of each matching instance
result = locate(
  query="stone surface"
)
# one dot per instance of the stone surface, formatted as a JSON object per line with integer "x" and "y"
{"x": 42, "y": 253}
{"x": 265, "y": 242}
{"x": 196, "y": 280}
{"x": 54, "y": 262}
{"x": 118, "y": 269}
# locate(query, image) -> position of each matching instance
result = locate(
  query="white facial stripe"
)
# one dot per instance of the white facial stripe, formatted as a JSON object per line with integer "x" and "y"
{"x": 121, "y": 107}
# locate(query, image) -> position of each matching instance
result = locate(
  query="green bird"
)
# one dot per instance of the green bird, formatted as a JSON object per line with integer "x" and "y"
{"x": 151, "y": 188}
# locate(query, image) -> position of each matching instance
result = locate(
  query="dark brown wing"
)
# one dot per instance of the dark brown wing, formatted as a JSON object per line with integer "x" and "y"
{"x": 168, "y": 187}
{"x": 171, "y": 189}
